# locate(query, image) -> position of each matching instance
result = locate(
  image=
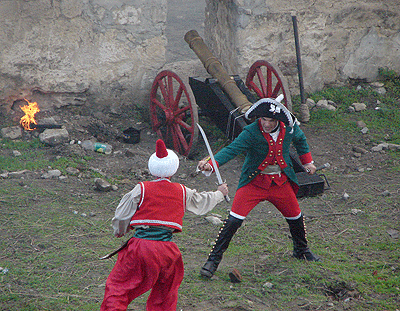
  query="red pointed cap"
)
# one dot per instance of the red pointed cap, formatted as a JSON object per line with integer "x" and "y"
{"x": 161, "y": 150}
{"x": 164, "y": 162}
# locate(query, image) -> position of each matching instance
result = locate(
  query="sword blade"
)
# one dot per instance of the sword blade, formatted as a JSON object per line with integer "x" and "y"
{"x": 214, "y": 163}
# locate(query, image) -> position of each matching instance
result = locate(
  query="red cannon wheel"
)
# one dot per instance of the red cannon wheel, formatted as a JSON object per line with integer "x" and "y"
{"x": 266, "y": 80}
{"x": 173, "y": 116}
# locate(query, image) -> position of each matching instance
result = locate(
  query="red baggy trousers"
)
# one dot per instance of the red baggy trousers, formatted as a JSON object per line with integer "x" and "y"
{"x": 141, "y": 266}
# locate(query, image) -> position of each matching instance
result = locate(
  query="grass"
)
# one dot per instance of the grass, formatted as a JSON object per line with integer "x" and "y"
{"x": 50, "y": 251}
{"x": 382, "y": 115}
{"x": 51, "y": 248}
{"x": 359, "y": 261}
{"x": 32, "y": 157}
{"x": 52, "y": 256}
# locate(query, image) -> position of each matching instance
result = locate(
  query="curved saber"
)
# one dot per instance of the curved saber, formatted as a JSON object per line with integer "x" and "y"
{"x": 217, "y": 173}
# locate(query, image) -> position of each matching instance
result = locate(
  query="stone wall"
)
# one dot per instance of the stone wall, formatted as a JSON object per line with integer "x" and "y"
{"x": 338, "y": 39}
{"x": 107, "y": 53}
{"x": 75, "y": 51}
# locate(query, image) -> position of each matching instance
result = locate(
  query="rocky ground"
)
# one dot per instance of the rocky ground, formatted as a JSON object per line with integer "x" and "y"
{"x": 356, "y": 174}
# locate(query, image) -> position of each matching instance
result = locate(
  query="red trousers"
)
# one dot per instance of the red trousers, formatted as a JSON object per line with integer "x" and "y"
{"x": 142, "y": 266}
{"x": 262, "y": 188}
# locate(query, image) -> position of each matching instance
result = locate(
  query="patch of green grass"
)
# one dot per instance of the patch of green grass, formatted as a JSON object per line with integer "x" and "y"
{"x": 382, "y": 115}
{"x": 33, "y": 158}
{"x": 392, "y": 81}
{"x": 52, "y": 250}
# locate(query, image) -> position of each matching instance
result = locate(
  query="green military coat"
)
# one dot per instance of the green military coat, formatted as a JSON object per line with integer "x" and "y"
{"x": 256, "y": 147}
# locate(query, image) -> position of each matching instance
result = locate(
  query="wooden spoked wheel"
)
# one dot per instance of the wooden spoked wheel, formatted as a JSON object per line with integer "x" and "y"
{"x": 267, "y": 81}
{"x": 173, "y": 116}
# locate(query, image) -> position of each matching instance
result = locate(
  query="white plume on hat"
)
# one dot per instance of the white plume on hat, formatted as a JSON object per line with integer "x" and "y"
{"x": 164, "y": 162}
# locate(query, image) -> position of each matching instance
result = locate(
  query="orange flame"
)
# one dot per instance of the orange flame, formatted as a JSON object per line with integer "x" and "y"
{"x": 30, "y": 110}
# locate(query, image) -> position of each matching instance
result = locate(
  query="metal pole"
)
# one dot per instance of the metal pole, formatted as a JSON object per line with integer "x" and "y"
{"x": 298, "y": 56}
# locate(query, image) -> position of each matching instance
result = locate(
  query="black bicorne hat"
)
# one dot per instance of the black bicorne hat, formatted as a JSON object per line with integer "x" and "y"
{"x": 271, "y": 108}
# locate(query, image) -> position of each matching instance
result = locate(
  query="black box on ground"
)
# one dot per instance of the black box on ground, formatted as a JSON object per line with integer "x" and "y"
{"x": 310, "y": 185}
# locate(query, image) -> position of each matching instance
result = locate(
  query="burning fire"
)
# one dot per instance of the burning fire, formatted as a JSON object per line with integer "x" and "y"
{"x": 30, "y": 110}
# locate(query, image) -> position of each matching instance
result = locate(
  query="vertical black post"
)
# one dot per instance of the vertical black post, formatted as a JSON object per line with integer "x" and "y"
{"x": 298, "y": 56}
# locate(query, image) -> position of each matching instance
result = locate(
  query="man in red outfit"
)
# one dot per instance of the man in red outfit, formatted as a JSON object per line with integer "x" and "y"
{"x": 267, "y": 175}
{"x": 151, "y": 261}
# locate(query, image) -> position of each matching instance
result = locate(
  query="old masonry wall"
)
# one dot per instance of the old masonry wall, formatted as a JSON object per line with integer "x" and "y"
{"x": 338, "y": 39}
{"x": 70, "y": 52}
{"x": 107, "y": 53}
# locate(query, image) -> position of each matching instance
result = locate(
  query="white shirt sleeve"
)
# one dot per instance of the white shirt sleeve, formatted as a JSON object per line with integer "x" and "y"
{"x": 126, "y": 209}
{"x": 200, "y": 203}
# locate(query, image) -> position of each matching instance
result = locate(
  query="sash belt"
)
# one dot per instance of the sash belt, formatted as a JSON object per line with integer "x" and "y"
{"x": 272, "y": 170}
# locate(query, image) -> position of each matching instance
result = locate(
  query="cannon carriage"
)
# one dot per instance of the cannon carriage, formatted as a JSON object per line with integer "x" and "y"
{"x": 223, "y": 99}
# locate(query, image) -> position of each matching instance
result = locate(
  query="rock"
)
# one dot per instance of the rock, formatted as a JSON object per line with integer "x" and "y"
{"x": 332, "y": 103}
{"x": 387, "y": 137}
{"x": 16, "y": 153}
{"x": 268, "y": 285}
{"x": 377, "y": 148}
{"x": 364, "y": 130}
{"x": 385, "y": 146}
{"x": 47, "y": 121}
{"x": 376, "y": 84}
{"x": 310, "y": 103}
{"x": 51, "y": 174}
{"x": 385, "y": 193}
{"x": 12, "y": 132}
{"x": 381, "y": 90}
{"x": 361, "y": 124}
{"x": 235, "y": 276}
{"x": 345, "y": 196}
{"x": 304, "y": 113}
{"x": 16, "y": 174}
{"x": 359, "y": 106}
{"x": 72, "y": 170}
{"x": 214, "y": 220}
{"x": 102, "y": 185}
{"x": 129, "y": 153}
{"x": 393, "y": 147}
{"x": 360, "y": 150}
{"x": 323, "y": 103}
{"x": 331, "y": 108}
{"x": 54, "y": 137}
{"x": 394, "y": 234}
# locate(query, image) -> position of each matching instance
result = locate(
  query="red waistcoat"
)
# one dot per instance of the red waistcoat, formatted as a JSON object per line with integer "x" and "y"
{"x": 274, "y": 157}
{"x": 162, "y": 203}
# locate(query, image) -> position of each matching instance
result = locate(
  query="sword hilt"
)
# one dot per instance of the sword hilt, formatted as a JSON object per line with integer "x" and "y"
{"x": 227, "y": 198}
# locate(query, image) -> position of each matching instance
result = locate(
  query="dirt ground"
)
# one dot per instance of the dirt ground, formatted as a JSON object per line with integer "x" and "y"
{"x": 351, "y": 173}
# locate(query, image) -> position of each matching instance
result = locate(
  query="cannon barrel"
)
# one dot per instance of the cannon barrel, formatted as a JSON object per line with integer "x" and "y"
{"x": 216, "y": 70}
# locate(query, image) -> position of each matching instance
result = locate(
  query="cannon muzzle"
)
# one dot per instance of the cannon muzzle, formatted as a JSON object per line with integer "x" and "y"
{"x": 216, "y": 70}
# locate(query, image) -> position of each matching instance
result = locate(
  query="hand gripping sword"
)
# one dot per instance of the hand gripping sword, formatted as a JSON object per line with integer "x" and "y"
{"x": 217, "y": 173}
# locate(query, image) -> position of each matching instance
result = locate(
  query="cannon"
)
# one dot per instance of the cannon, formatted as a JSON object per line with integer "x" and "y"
{"x": 223, "y": 98}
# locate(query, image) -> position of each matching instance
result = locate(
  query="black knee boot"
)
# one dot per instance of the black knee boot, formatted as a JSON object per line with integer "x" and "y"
{"x": 225, "y": 235}
{"x": 300, "y": 248}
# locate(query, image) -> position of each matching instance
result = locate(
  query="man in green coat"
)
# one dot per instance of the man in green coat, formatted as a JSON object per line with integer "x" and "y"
{"x": 267, "y": 175}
